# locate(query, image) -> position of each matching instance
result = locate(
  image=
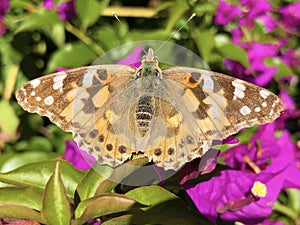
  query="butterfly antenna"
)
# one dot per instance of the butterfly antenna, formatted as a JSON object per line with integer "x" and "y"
{"x": 117, "y": 18}
{"x": 172, "y": 35}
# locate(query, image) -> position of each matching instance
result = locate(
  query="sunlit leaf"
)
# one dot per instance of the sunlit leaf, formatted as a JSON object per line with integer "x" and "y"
{"x": 37, "y": 175}
{"x": 204, "y": 40}
{"x": 25, "y": 196}
{"x": 88, "y": 11}
{"x": 91, "y": 180}
{"x": 39, "y": 19}
{"x": 56, "y": 206}
{"x": 234, "y": 52}
{"x": 72, "y": 55}
{"x": 141, "y": 219}
{"x": 20, "y": 212}
{"x": 104, "y": 204}
{"x": 176, "y": 12}
{"x": 8, "y": 119}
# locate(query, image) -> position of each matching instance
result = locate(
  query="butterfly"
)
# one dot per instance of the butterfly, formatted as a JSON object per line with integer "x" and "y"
{"x": 171, "y": 115}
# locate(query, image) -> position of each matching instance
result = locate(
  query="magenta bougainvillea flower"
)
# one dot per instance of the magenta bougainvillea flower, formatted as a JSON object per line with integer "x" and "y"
{"x": 253, "y": 10}
{"x": 65, "y": 10}
{"x": 270, "y": 222}
{"x": 264, "y": 153}
{"x": 237, "y": 195}
{"x": 4, "y": 8}
{"x": 245, "y": 14}
{"x": 226, "y": 13}
{"x": 290, "y": 16}
{"x": 79, "y": 158}
{"x": 133, "y": 59}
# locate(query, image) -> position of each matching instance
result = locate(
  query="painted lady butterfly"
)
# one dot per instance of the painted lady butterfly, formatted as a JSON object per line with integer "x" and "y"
{"x": 170, "y": 115}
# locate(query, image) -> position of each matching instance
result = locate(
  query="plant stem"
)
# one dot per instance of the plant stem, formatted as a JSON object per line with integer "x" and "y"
{"x": 85, "y": 39}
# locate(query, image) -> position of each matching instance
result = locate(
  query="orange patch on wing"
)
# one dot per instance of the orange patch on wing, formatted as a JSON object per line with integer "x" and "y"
{"x": 187, "y": 81}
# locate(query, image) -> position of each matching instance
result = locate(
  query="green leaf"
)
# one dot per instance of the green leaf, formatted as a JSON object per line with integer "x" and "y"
{"x": 164, "y": 203}
{"x": 151, "y": 195}
{"x": 141, "y": 219}
{"x": 204, "y": 40}
{"x": 282, "y": 68}
{"x": 176, "y": 12}
{"x": 88, "y": 11}
{"x": 8, "y": 120}
{"x": 25, "y": 196}
{"x": 39, "y": 19}
{"x": 104, "y": 204}
{"x": 72, "y": 55}
{"x": 141, "y": 35}
{"x": 118, "y": 174}
{"x": 20, "y": 212}
{"x": 234, "y": 52}
{"x": 24, "y": 158}
{"x": 91, "y": 180}
{"x": 57, "y": 34}
{"x": 37, "y": 175}
{"x": 56, "y": 207}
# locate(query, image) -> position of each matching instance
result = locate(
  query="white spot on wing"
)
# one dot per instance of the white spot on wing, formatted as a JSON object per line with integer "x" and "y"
{"x": 38, "y": 98}
{"x": 264, "y": 93}
{"x": 257, "y": 109}
{"x": 87, "y": 79}
{"x": 49, "y": 100}
{"x": 57, "y": 85}
{"x": 238, "y": 90}
{"x": 58, "y": 81}
{"x": 59, "y": 78}
{"x": 35, "y": 83}
{"x": 208, "y": 83}
{"x": 245, "y": 110}
{"x": 33, "y": 93}
{"x": 264, "y": 104}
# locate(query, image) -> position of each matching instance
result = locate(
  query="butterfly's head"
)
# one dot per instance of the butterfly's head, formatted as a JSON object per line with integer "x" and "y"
{"x": 149, "y": 67}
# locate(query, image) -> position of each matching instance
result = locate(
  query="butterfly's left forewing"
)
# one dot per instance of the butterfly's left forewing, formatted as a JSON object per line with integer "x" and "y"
{"x": 82, "y": 101}
{"x": 61, "y": 96}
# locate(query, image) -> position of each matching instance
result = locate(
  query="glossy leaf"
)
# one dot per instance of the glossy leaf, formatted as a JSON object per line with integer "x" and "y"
{"x": 39, "y": 19}
{"x": 56, "y": 206}
{"x": 234, "y": 52}
{"x": 282, "y": 68}
{"x": 88, "y": 11}
{"x": 91, "y": 180}
{"x": 57, "y": 34}
{"x": 151, "y": 195}
{"x": 176, "y": 12}
{"x": 204, "y": 40}
{"x": 161, "y": 202}
{"x": 8, "y": 119}
{"x": 104, "y": 204}
{"x": 72, "y": 55}
{"x": 141, "y": 219}
{"x": 20, "y": 212}
{"x": 37, "y": 175}
{"x": 25, "y": 196}
{"x": 119, "y": 174}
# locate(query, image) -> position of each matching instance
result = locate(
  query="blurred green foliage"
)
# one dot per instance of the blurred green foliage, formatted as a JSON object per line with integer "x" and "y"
{"x": 38, "y": 42}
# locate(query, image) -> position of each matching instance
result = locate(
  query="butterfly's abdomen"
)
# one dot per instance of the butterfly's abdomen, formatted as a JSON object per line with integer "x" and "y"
{"x": 144, "y": 113}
